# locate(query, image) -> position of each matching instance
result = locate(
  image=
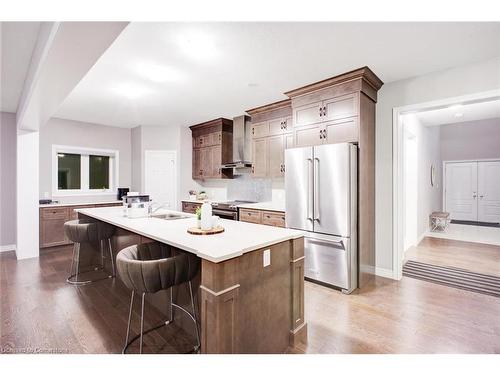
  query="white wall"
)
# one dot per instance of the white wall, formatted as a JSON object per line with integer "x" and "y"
{"x": 136, "y": 163}
{"x": 8, "y": 140}
{"x": 74, "y": 133}
{"x": 429, "y": 198}
{"x": 27, "y": 177}
{"x": 471, "y": 140}
{"x": 473, "y": 78}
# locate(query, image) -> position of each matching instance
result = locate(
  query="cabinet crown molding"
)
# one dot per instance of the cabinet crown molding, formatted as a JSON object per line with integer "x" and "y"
{"x": 217, "y": 121}
{"x": 270, "y": 107}
{"x": 364, "y": 74}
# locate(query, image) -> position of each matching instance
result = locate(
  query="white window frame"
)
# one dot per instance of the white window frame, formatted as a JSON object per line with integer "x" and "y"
{"x": 84, "y": 170}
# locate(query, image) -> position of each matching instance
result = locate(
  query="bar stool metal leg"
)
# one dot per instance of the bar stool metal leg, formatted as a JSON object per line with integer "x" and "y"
{"x": 129, "y": 320}
{"x": 171, "y": 305}
{"x": 72, "y": 261}
{"x": 142, "y": 323}
{"x": 76, "y": 259}
{"x": 195, "y": 317}
{"x": 112, "y": 258}
{"x": 102, "y": 253}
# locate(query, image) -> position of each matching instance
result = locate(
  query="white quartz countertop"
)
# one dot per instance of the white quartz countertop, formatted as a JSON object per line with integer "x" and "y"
{"x": 267, "y": 206}
{"x": 238, "y": 238}
{"x": 76, "y": 204}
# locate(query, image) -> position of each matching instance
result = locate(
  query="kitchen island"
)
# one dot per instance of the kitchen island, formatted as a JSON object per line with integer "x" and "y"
{"x": 248, "y": 304}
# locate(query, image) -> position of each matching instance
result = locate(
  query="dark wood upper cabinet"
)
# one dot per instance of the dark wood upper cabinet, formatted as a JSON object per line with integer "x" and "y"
{"x": 212, "y": 147}
{"x": 272, "y": 130}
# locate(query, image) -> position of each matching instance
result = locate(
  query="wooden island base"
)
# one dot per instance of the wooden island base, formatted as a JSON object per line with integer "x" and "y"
{"x": 244, "y": 306}
{"x": 249, "y": 308}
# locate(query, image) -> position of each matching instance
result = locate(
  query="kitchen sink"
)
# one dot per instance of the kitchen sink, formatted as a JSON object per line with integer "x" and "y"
{"x": 170, "y": 216}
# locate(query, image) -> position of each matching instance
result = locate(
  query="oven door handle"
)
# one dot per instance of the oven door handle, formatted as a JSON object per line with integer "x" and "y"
{"x": 223, "y": 213}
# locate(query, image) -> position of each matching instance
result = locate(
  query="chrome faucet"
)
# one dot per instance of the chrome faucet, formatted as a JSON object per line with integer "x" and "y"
{"x": 151, "y": 211}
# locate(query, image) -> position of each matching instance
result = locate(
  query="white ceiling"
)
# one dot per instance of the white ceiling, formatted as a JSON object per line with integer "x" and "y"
{"x": 460, "y": 113}
{"x": 221, "y": 69}
{"x": 18, "y": 42}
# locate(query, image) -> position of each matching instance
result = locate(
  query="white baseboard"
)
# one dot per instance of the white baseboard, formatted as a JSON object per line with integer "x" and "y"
{"x": 7, "y": 248}
{"x": 384, "y": 272}
{"x": 421, "y": 237}
{"x": 379, "y": 271}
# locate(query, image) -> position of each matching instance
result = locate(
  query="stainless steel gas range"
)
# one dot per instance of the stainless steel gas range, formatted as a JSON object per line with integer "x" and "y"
{"x": 227, "y": 210}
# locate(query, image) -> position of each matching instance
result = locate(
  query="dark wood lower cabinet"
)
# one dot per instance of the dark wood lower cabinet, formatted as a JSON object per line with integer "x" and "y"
{"x": 273, "y": 218}
{"x": 247, "y": 308}
{"x": 52, "y": 221}
{"x": 190, "y": 207}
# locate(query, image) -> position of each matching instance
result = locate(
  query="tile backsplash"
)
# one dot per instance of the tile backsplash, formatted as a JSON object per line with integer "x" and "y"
{"x": 247, "y": 188}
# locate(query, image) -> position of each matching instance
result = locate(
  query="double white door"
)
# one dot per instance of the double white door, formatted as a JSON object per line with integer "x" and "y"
{"x": 472, "y": 191}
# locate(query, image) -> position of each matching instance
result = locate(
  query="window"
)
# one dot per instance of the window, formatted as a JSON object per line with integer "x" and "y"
{"x": 98, "y": 172}
{"x": 68, "y": 171}
{"x": 83, "y": 171}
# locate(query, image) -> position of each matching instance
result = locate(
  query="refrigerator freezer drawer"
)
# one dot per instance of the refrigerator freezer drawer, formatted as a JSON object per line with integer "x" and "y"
{"x": 327, "y": 261}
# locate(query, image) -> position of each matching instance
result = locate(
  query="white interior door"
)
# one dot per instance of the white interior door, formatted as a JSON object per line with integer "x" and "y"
{"x": 160, "y": 177}
{"x": 489, "y": 191}
{"x": 461, "y": 190}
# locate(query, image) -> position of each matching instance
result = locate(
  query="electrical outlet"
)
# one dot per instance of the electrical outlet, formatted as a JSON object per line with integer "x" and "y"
{"x": 267, "y": 257}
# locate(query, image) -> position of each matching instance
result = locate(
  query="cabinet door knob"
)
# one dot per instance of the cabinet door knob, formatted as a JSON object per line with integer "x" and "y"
{"x": 321, "y": 134}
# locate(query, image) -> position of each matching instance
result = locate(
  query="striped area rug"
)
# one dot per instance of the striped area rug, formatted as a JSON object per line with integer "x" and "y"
{"x": 454, "y": 277}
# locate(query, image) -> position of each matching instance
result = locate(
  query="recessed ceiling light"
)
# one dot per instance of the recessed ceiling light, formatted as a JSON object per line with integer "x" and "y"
{"x": 197, "y": 45}
{"x": 158, "y": 73}
{"x": 130, "y": 90}
{"x": 459, "y": 114}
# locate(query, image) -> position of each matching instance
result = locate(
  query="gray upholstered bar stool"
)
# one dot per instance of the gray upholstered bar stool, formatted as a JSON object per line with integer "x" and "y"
{"x": 85, "y": 231}
{"x": 151, "y": 267}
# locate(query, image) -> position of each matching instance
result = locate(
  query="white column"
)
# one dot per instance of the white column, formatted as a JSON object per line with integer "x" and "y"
{"x": 27, "y": 194}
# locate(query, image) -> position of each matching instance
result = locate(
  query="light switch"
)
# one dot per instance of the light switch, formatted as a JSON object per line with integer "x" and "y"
{"x": 267, "y": 257}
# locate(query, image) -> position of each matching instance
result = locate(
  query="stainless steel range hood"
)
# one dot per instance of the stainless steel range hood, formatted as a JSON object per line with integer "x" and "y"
{"x": 242, "y": 144}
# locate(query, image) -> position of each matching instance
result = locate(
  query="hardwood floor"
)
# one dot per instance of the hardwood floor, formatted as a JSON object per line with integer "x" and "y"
{"x": 407, "y": 316}
{"x": 475, "y": 257}
{"x": 41, "y": 313}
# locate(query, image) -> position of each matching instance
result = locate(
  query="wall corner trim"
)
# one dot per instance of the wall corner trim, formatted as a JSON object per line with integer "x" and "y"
{"x": 384, "y": 272}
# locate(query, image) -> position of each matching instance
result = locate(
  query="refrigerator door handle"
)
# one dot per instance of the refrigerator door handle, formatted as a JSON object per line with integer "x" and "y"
{"x": 316, "y": 189}
{"x": 340, "y": 242}
{"x": 309, "y": 195}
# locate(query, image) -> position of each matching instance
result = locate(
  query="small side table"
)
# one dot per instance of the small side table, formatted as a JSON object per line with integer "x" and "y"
{"x": 438, "y": 221}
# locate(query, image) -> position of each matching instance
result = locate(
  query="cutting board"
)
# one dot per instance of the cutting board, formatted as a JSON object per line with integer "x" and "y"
{"x": 198, "y": 231}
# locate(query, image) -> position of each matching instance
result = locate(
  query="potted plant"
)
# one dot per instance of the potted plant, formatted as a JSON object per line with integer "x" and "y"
{"x": 198, "y": 217}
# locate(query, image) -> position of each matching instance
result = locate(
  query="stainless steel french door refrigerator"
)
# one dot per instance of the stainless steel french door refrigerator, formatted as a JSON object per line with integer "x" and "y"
{"x": 321, "y": 199}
